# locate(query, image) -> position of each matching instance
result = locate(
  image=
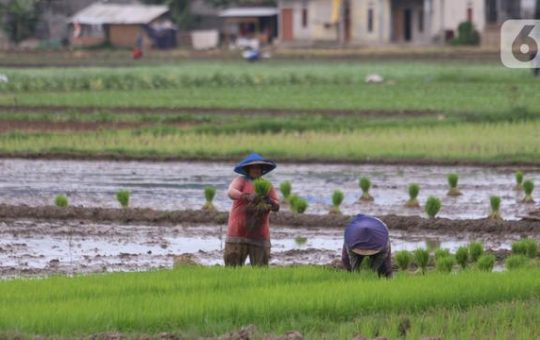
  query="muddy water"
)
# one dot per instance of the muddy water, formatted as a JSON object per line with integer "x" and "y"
{"x": 29, "y": 247}
{"x": 179, "y": 185}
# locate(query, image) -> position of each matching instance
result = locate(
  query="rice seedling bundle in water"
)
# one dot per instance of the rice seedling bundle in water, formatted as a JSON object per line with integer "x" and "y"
{"x": 122, "y": 196}
{"x": 365, "y": 185}
{"x": 519, "y": 180}
{"x": 527, "y": 247}
{"x": 337, "y": 199}
{"x": 209, "y": 194}
{"x": 445, "y": 264}
{"x": 61, "y": 201}
{"x": 433, "y": 206}
{"x": 453, "y": 184}
{"x": 528, "y": 187}
{"x": 476, "y": 249}
{"x": 486, "y": 262}
{"x": 421, "y": 258}
{"x": 462, "y": 256}
{"x": 516, "y": 262}
{"x": 495, "y": 203}
{"x": 414, "y": 190}
{"x": 403, "y": 259}
{"x": 298, "y": 204}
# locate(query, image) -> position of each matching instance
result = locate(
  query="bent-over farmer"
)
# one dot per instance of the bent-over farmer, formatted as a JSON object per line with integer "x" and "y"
{"x": 367, "y": 237}
{"x": 244, "y": 236}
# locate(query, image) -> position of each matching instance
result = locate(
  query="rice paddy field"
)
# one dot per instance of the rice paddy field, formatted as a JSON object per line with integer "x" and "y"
{"x": 87, "y": 132}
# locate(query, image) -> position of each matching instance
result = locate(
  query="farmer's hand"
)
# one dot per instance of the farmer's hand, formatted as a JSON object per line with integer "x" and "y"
{"x": 250, "y": 198}
{"x": 273, "y": 205}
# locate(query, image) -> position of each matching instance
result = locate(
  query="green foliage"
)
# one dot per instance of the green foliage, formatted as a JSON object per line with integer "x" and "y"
{"x": 453, "y": 183}
{"x": 209, "y": 194}
{"x": 337, "y": 198}
{"x": 476, "y": 249}
{"x": 495, "y": 203}
{"x": 18, "y": 19}
{"x": 365, "y": 185}
{"x": 262, "y": 187}
{"x": 527, "y": 247}
{"x": 440, "y": 253}
{"x": 467, "y": 34}
{"x": 61, "y": 201}
{"x": 528, "y": 187}
{"x": 286, "y": 189}
{"x": 403, "y": 259}
{"x": 414, "y": 190}
{"x": 421, "y": 258}
{"x": 322, "y": 299}
{"x": 445, "y": 263}
{"x": 433, "y": 206}
{"x": 519, "y": 180}
{"x": 516, "y": 262}
{"x": 122, "y": 196}
{"x": 298, "y": 204}
{"x": 486, "y": 262}
{"x": 462, "y": 256}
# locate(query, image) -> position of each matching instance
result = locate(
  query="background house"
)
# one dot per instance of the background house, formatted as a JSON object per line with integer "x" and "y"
{"x": 373, "y": 22}
{"x": 122, "y": 25}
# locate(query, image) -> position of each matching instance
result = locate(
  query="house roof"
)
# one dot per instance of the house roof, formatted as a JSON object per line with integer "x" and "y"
{"x": 239, "y": 12}
{"x": 98, "y": 14}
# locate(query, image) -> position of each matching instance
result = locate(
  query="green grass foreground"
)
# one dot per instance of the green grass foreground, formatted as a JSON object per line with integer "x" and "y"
{"x": 321, "y": 303}
{"x": 494, "y": 142}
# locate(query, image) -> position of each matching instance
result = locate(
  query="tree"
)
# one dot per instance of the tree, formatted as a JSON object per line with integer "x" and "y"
{"x": 18, "y": 19}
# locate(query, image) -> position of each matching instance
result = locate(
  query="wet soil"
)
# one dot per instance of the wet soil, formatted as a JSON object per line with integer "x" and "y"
{"x": 134, "y": 215}
{"x": 179, "y": 186}
{"x": 37, "y": 247}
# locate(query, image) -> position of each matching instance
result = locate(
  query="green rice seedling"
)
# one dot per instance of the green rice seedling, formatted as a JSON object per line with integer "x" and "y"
{"x": 262, "y": 187}
{"x": 300, "y": 240}
{"x": 122, "y": 196}
{"x": 414, "y": 190}
{"x": 515, "y": 262}
{"x": 365, "y": 185}
{"x": 286, "y": 189}
{"x": 421, "y": 258}
{"x": 440, "y": 253}
{"x": 453, "y": 184}
{"x": 298, "y": 204}
{"x": 476, "y": 249}
{"x": 462, "y": 256}
{"x": 337, "y": 199}
{"x": 527, "y": 247}
{"x": 209, "y": 194}
{"x": 433, "y": 206}
{"x": 403, "y": 259}
{"x": 495, "y": 203}
{"x": 486, "y": 262}
{"x": 445, "y": 264}
{"x": 61, "y": 201}
{"x": 528, "y": 187}
{"x": 519, "y": 180}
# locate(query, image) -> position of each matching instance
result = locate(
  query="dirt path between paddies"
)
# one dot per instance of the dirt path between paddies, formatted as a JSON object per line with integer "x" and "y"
{"x": 213, "y": 110}
{"x": 406, "y": 223}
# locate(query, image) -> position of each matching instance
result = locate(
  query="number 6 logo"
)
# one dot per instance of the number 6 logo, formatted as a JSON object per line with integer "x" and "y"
{"x": 519, "y": 43}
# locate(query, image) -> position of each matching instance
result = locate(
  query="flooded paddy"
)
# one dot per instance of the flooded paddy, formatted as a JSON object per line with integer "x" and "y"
{"x": 179, "y": 185}
{"x": 32, "y": 247}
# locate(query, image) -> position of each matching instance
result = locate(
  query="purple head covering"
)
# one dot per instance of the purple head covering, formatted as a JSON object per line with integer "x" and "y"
{"x": 366, "y": 233}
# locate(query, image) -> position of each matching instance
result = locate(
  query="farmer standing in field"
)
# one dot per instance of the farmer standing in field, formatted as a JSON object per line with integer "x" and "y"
{"x": 248, "y": 229}
{"x": 367, "y": 237}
